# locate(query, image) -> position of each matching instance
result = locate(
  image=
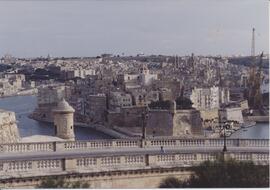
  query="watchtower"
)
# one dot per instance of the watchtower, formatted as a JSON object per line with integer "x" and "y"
{"x": 63, "y": 120}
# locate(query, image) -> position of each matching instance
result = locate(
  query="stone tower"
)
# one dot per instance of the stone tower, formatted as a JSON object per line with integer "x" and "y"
{"x": 63, "y": 120}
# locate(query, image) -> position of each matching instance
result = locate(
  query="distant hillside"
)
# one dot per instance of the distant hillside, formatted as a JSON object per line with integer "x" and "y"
{"x": 248, "y": 61}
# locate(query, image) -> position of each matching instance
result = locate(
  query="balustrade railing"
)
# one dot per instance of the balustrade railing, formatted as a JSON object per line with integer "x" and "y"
{"x": 120, "y": 162}
{"x": 129, "y": 143}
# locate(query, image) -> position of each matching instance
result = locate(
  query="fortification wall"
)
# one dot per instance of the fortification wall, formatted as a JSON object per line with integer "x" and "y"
{"x": 8, "y": 127}
{"x": 187, "y": 122}
{"x": 160, "y": 123}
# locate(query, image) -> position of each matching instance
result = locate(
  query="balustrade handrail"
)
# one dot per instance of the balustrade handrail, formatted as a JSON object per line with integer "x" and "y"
{"x": 132, "y": 142}
{"x": 135, "y": 139}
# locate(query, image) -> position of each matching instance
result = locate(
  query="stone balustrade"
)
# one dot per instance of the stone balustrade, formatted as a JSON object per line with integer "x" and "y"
{"x": 118, "y": 162}
{"x": 129, "y": 143}
{"x": 28, "y": 147}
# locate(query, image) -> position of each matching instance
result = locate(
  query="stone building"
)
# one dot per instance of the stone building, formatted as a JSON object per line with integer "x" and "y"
{"x": 143, "y": 78}
{"x": 11, "y": 83}
{"x": 165, "y": 94}
{"x": 128, "y": 117}
{"x": 209, "y": 98}
{"x": 95, "y": 108}
{"x": 8, "y": 127}
{"x": 63, "y": 120}
{"x": 17, "y": 80}
{"x": 170, "y": 122}
{"x": 74, "y": 73}
{"x": 169, "y": 89}
{"x": 143, "y": 97}
{"x": 47, "y": 99}
{"x": 119, "y": 99}
{"x": 174, "y": 122}
{"x": 231, "y": 114}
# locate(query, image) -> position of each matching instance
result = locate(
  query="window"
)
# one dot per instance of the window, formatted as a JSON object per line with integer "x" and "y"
{"x": 71, "y": 127}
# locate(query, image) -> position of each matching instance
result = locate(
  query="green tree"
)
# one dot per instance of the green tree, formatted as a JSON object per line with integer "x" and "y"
{"x": 183, "y": 103}
{"x": 224, "y": 174}
{"x": 51, "y": 182}
{"x": 160, "y": 105}
{"x": 171, "y": 182}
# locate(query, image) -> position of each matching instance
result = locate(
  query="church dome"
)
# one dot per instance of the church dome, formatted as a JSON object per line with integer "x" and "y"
{"x": 63, "y": 106}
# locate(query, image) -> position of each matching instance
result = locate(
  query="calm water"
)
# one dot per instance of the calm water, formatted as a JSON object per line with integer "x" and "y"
{"x": 24, "y": 105}
{"x": 261, "y": 130}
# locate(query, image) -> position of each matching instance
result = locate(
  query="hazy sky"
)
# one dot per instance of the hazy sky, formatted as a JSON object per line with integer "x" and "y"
{"x": 88, "y": 28}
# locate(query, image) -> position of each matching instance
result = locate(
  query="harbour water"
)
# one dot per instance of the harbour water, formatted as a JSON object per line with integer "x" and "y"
{"x": 24, "y": 105}
{"x": 260, "y": 131}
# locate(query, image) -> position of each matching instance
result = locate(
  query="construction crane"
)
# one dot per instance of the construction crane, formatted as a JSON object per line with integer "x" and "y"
{"x": 255, "y": 96}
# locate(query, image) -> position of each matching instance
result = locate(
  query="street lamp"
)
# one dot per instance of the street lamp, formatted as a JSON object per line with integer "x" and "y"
{"x": 224, "y": 126}
{"x": 144, "y": 120}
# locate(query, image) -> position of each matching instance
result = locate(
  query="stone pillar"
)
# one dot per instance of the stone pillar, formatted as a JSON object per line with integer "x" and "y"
{"x": 70, "y": 164}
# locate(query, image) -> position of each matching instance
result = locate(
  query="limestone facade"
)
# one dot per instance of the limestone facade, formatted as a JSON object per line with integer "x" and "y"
{"x": 232, "y": 114}
{"x": 143, "y": 78}
{"x": 209, "y": 98}
{"x": 119, "y": 99}
{"x": 8, "y": 127}
{"x": 126, "y": 116}
{"x": 177, "y": 123}
{"x": 95, "y": 108}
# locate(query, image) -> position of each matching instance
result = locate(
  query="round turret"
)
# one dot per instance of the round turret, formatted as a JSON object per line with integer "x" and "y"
{"x": 63, "y": 120}
{"x": 63, "y": 106}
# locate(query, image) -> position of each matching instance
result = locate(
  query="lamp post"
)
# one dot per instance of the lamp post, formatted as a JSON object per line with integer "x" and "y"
{"x": 144, "y": 120}
{"x": 224, "y": 126}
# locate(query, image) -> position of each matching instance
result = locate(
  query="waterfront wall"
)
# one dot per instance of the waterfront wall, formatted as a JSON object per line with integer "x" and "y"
{"x": 174, "y": 123}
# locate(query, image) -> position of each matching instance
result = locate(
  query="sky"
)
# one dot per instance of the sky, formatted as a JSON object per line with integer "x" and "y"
{"x": 32, "y": 28}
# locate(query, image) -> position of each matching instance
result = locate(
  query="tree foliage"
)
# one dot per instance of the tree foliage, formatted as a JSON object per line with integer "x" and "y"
{"x": 160, "y": 105}
{"x": 61, "y": 183}
{"x": 171, "y": 182}
{"x": 183, "y": 103}
{"x": 224, "y": 174}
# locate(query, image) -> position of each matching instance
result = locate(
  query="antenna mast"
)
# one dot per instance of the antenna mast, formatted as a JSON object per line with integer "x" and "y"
{"x": 253, "y": 43}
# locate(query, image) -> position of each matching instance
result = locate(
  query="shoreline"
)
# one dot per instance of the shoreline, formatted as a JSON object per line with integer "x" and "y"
{"x": 99, "y": 128}
{"x": 31, "y": 92}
